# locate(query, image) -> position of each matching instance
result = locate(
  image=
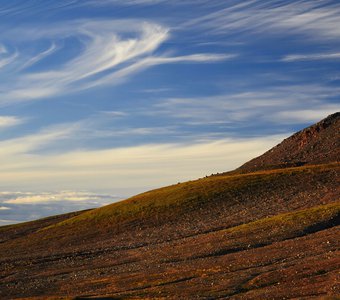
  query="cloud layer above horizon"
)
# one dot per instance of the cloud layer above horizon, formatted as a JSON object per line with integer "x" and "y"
{"x": 116, "y": 97}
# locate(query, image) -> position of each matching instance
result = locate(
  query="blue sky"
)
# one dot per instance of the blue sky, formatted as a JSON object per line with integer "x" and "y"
{"x": 102, "y": 99}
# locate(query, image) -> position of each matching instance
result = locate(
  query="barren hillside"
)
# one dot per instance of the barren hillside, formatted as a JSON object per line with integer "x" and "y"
{"x": 267, "y": 231}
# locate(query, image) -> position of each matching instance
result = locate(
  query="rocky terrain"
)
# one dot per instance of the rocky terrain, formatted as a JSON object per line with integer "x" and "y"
{"x": 268, "y": 230}
{"x": 316, "y": 144}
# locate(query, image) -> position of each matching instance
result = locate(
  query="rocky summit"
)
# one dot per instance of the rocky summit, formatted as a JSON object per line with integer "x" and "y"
{"x": 317, "y": 144}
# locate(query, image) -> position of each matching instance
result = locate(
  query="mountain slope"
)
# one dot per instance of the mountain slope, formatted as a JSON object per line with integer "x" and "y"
{"x": 317, "y": 144}
{"x": 269, "y": 234}
{"x": 214, "y": 203}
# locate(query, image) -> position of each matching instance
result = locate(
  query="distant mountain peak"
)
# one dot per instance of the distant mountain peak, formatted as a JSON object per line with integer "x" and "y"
{"x": 319, "y": 143}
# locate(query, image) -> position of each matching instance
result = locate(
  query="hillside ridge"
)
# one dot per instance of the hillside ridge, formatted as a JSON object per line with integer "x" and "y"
{"x": 316, "y": 144}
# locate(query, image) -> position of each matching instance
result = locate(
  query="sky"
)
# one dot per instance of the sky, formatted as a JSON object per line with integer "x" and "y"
{"x": 103, "y": 99}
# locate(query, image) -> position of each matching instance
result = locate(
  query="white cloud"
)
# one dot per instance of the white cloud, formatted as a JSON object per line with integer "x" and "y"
{"x": 303, "y": 115}
{"x": 121, "y": 75}
{"x": 48, "y": 197}
{"x": 127, "y": 170}
{"x": 113, "y": 113}
{"x": 35, "y": 141}
{"x": 156, "y": 90}
{"x": 109, "y": 52}
{"x": 274, "y": 105}
{"x": 8, "y": 60}
{"x": 273, "y": 17}
{"x": 14, "y": 8}
{"x": 201, "y": 57}
{"x": 8, "y": 222}
{"x": 126, "y": 2}
{"x": 140, "y": 2}
{"x": 40, "y": 56}
{"x": 9, "y": 121}
{"x": 24, "y": 206}
{"x": 105, "y": 47}
{"x": 308, "y": 57}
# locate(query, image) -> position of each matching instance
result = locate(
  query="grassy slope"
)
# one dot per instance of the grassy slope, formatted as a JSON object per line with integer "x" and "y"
{"x": 9, "y": 232}
{"x": 241, "y": 197}
{"x": 175, "y": 198}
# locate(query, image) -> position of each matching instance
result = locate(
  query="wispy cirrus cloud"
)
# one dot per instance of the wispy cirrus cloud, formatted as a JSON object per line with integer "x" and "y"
{"x": 7, "y": 59}
{"x": 123, "y": 3}
{"x": 274, "y": 17}
{"x": 10, "y": 121}
{"x": 141, "y": 2}
{"x": 285, "y": 105}
{"x": 32, "y": 7}
{"x": 38, "y": 140}
{"x": 35, "y": 59}
{"x": 103, "y": 49}
{"x": 309, "y": 57}
{"x": 122, "y": 74}
{"x": 109, "y": 52}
